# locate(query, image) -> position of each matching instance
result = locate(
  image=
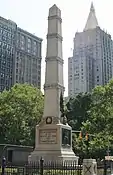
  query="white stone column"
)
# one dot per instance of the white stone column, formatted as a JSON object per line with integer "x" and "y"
{"x": 54, "y": 65}
{"x": 89, "y": 167}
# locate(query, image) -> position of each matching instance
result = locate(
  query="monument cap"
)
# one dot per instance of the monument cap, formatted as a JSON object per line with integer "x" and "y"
{"x": 55, "y": 11}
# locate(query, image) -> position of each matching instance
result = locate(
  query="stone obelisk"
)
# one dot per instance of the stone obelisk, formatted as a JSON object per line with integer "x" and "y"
{"x": 53, "y": 138}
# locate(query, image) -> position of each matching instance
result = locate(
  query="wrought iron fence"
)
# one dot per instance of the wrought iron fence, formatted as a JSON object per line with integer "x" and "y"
{"x": 42, "y": 168}
{"x": 51, "y": 168}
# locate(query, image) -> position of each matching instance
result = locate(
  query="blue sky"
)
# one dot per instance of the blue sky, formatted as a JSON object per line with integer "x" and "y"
{"x": 31, "y": 15}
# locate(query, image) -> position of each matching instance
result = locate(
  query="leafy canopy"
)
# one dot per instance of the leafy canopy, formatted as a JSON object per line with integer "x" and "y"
{"x": 20, "y": 110}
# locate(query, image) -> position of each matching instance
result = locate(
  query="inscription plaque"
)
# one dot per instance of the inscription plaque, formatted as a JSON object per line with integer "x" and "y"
{"x": 48, "y": 136}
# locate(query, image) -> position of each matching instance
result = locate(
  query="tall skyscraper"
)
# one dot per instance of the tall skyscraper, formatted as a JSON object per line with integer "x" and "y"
{"x": 20, "y": 56}
{"x": 7, "y": 52}
{"x": 91, "y": 63}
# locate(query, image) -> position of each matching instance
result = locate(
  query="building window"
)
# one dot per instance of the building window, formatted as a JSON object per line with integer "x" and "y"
{"x": 2, "y": 75}
{"x": 17, "y": 64}
{"x": 29, "y": 40}
{"x": 29, "y": 45}
{"x": 22, "y": 47}
{"x": 9, "y": 35}
{"x": 22, "y": 37}
{"x": 34, "y": 48}
{"x": 97, "y": 78}
{"x": 5, "y": 33}
{"x": 0, "y": 30}
{"x": 35, "y": 43}
{"x": 4, "y": 46}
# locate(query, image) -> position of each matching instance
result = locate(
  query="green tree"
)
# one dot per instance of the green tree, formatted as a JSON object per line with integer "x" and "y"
{"x": 20, "y": 110}
{"x": 100, "y": 121}
{"x": 77, "y": 109}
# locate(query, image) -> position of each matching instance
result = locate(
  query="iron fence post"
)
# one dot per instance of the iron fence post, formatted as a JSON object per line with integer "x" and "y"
{"x": 41, "y": 166}
{"x": 105, "y": 167}
{"x": 3, "y": 165}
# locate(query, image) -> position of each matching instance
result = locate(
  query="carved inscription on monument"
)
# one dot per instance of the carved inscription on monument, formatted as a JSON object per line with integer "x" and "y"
{"x": 48, "y": 136}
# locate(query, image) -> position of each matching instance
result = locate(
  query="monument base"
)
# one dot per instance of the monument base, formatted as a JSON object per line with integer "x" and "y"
{"x": 53, "y": 143}
{"x": 54, "y": 157}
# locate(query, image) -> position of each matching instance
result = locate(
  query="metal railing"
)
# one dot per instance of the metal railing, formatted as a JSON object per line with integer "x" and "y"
{"x": 42, "y": 168}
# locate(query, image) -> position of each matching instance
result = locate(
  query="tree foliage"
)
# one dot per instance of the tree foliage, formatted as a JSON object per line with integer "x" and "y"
{"x": 77, "y": 110}
{"x": 99, "y": 123}
{"x": 20, "y": 110}
{"x": 96, "y": 111}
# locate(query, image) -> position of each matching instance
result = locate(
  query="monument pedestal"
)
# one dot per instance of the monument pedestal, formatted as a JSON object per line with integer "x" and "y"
{"x": 53, "y": 143}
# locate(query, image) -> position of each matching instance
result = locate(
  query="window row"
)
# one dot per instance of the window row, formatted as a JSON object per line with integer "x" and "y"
{"x": 24, "y": 40}
{"x": 6, "y": 34}
{"x": 6, "y": 46}
{"x": 5, "y": 27}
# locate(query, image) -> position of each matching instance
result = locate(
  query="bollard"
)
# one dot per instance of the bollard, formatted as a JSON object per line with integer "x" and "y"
{"x": 41, "y": 166}
{"x": 3, "y": 165}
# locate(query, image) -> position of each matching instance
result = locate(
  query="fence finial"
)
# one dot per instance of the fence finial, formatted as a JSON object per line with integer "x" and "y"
{"x": 41, "y": 166}
{"x": 3, "y": 165}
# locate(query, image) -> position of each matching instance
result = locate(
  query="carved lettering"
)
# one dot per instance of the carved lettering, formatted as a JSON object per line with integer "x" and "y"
{"x": 48, "y": 136}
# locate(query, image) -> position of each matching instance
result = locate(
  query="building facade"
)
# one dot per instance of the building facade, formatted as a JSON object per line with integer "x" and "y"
{"x": 20, "y": 56}
{"x": 28, "y": 58}
{"x": 91, "y": 64}
{"x": 7, "y": 53}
